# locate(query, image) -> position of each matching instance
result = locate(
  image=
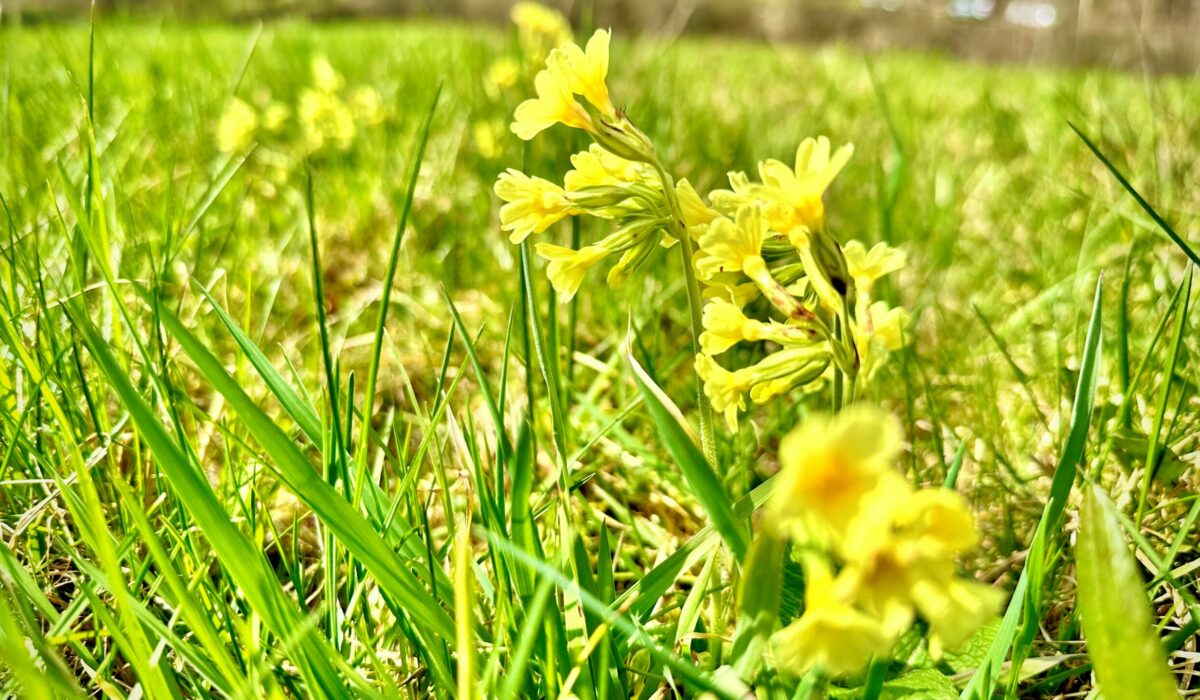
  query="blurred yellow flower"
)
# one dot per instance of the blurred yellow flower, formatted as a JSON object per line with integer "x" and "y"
{"x": 487, "y": 136}
{"x": 323, "y": 118}
{"x": 235, "y": 129}
{"x": 877, "y": 330}
{"x": 587, "y": 70}
{"x": 501, "y": 75}
{"x": 325, "y": 77}
{"x": 533, "y": 204}
{"x": 539, "y": 29}
{"x": 366, "y": 104}
{"x": 568, "y": 267}
{"x": 832, "y": 635}
{"x": 275, "y": 116}
{"x": 554, "y": 104}
{"x": 828, "y": 466}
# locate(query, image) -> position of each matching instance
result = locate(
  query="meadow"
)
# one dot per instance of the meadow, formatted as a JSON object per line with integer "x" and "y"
{"x": 285, "y": 413}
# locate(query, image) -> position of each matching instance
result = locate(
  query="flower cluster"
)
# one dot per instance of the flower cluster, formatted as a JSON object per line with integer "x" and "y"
{"x": 769, "y": 241}
{"x": 877, "y": 553}
{"x": 326, "y": 113}
{"x": 618, "y": 178}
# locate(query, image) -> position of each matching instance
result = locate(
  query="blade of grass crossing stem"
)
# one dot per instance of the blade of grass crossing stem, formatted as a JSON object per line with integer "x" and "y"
{"x": 1153, "y": 451}
{"x": 463, "y": 615}
{"x": 294, "y": 469}
{"x": 243, "y": 561}
{"x": 547, "y": 363}
{"x": 489, "y": 399}
{"x": 1162, "y": 223}
{"x": 390, "y": 276}
{"x": 1027, "y": 592}
{"x": 721, "y": 686}
{"x": 1117, "y": 625}
{"x": 687, "y": 455}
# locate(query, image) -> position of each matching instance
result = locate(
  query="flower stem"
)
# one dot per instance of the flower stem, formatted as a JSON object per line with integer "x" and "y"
{"x": 695, "y": 303}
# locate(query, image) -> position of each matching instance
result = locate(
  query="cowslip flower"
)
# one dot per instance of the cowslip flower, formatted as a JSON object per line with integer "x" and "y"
{"x": 235, "y": 130}
{"x": 773, "y": 375}
{"x": 866, "y": 267}
{"x": 832, "y": 635}
{"x": 597, "y": 167}
{"x": 568, "y": 267}
{"x": 554, "y": 104}
{"x": 725, "y": 326}
{"x": 533, "y": 204}
{"x": 586, "y": 71}
{"x": 828, "y": 467}
{"x": 725, "y": 390}
{"x": 877, "y": 330}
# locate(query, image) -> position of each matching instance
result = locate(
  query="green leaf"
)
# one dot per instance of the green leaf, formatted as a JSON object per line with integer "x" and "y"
{"x": 1127, "y": 655}
{"x": 681, "y": 443}
{"x": 758, "y": 602}
{"x": 922, "y": 684}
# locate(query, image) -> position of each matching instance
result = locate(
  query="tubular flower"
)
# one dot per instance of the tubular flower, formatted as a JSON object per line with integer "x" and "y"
{"x": 726, "y": 390}
{"x": 587, "y": 70}
{"x": 877, "y": 331}
{"x": 725, "y": 326}
{"x": 597, "y": 167}
{"x": 533, "y": 204}
{"x": 829, "y": 466}
{"x": 832, "y": 635}
{"x": 554, "y": 104}
{"x": 866, "y": 267}
{"x": 790, "y": 197}
{"x": 567, "y": 266}
{"x": 695, "y": 212}
{"x": 888, "y": 553}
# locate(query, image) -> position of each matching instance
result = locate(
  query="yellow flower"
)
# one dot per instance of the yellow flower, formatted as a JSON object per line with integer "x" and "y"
{"x": 567, "y": 266}
{"x": 324, "y": 76}
{"x": 877, "y": 331}
{"x": 728, "y": 286}
{"x": 828, "y": 467}
{"x": 868, "y": 266}
{"x": 539, "y": 29}
{"x": 725, "y": 326}
{"x": 554, "y": 104}
{"x": 790, "y": 197}
{"x": 900, "y": 554}
{"x": 597, "y": 167}
{"x": 785, "y": 369}
{"x": 235, "y": 130}
{"x": 724, "y": 389}
{"x": 487, "y": 138}
{"x": 275, "y": 116}
{"x": 695, "y": 211}
{"x": 502, "y": 74}
{"x": 366, "y": 105}
{"x": 733, "y": 247}
{"x": 533, "y": 204}
{"x": 832, "y": 635}
{"x": 587, "y": 70}
{"x": 323, "y": 116}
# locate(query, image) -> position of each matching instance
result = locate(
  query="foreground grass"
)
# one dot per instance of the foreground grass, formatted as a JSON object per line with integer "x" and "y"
{"x": 197, "y": 498}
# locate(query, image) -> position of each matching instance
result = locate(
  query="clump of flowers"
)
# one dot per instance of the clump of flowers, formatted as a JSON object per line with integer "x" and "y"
{"x": 326, "y": 112}
{"x": 772, "y": 272}
{"x": 877, "y": 553}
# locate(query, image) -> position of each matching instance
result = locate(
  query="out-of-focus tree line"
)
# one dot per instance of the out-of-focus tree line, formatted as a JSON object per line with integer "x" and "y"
{"x": 1161, "y": 36}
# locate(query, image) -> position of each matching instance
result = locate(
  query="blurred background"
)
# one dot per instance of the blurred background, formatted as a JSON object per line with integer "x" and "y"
{"x": 1158, "y": 36}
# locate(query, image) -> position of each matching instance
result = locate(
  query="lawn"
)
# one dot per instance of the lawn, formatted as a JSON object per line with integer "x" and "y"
{"x": 285, "y": 413}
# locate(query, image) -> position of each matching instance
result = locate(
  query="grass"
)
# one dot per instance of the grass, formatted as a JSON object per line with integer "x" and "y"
{"x": 284, "y": 423}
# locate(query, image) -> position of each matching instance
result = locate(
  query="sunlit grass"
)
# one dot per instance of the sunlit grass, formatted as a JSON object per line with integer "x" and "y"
{"x": 229, "y": 470}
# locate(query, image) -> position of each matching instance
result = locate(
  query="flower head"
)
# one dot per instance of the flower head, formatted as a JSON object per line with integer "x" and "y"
{"x": 539, "y": 29}
{"x": 726, "y": 390}
{"x": 533, "y": 204}
{"x": 598, "y": 167}
{"x": 554, "y": 104}
{"x": 587, "y": 70}
{"x": 235, "y": 130}
{"x": 832, "y": 635}
{"x": 568, "y": 266}
{"x": 733, "y": 247}
{"x": 502, "y": 74}
{"x": 867, "y": 266}
{"x": 828, "y": 467}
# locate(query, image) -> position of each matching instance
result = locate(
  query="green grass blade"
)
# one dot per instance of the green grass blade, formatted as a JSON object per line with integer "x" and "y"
{"x": 1126, "y": 653}
{"x": 687, "y": 455}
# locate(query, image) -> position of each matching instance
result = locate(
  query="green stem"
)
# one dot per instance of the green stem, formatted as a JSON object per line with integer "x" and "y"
{"x": 695, "y": 305}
